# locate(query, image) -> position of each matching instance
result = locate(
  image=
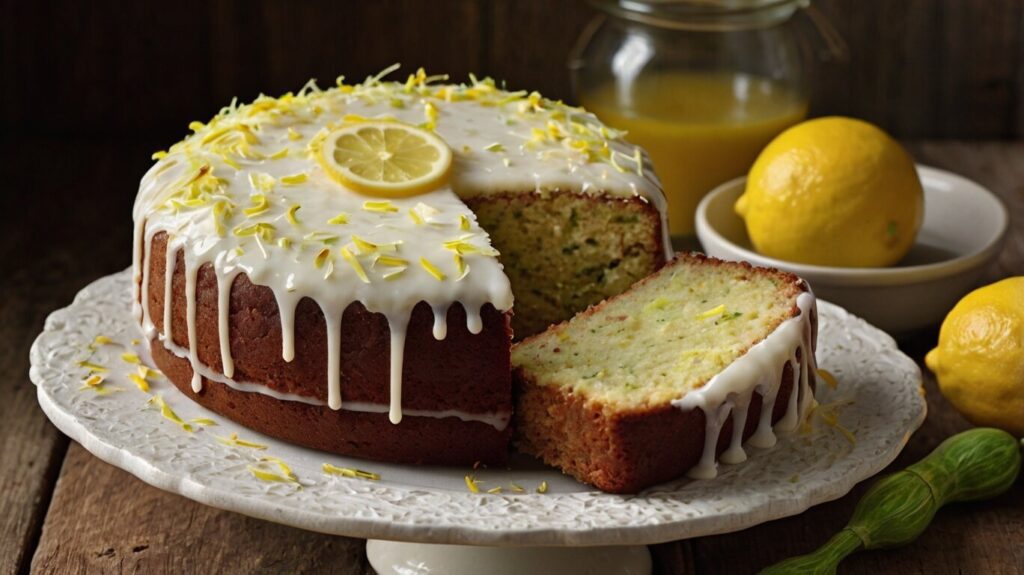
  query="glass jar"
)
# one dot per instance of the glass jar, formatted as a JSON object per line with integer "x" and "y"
{"x": 702, "y": 85}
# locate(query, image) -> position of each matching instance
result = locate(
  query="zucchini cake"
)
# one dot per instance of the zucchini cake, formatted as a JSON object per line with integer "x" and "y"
{"x": 663, "y": 378}
{"x": 287, "y": 299}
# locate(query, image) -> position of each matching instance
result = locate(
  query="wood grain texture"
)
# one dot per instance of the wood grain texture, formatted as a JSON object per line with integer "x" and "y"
{"x": 123, "y": 525}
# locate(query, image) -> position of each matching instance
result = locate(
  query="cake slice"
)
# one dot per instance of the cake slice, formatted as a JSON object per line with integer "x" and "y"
{"x": 664, "y": 378}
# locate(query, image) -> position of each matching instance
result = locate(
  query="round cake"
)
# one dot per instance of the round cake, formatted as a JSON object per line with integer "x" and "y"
{"x": 278, "y": 296}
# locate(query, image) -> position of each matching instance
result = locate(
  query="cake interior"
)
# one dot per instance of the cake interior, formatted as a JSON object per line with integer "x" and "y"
{"x": 563, "y": 251}
{"x": 662, "y": 339}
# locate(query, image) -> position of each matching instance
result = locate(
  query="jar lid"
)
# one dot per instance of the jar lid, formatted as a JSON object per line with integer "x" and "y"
{"x": 703, "y": 14}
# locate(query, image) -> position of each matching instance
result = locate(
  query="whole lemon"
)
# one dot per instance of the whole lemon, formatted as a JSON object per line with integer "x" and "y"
{"x": 979, "y": 361}
{"x": 833, "y": 191}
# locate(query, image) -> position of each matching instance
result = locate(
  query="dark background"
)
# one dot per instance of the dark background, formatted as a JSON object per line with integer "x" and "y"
{"x": 143, "y": 70}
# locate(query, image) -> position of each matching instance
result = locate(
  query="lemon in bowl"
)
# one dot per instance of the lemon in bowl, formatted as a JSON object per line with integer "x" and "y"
{"x": 833, "y": 192}
{"x": 979, "y": 360}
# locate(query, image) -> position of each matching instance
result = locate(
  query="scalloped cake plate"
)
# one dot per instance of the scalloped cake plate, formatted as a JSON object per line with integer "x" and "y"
{"x": 879, "y": 401}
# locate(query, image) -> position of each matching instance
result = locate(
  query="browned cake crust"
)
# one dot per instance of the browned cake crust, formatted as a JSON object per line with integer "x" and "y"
{"x": 624, "y": 452}
{"x": 464, "y": 372}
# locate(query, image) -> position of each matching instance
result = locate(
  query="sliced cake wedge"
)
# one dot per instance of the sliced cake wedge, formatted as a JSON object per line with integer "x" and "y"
{"x": 670, "y": 376}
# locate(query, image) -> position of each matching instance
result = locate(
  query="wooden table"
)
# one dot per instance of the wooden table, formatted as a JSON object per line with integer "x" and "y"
{"x": 65, "y": 208}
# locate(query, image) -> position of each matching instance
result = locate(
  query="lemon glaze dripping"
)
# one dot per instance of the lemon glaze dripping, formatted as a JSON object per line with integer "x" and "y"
{"x": 202, "y": 194}
{"x": 760, "y": 369}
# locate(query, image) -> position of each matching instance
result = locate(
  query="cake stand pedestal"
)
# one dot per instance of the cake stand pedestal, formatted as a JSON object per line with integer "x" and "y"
{"x": 400, "y": 558}
{"x": 526, "y": 516}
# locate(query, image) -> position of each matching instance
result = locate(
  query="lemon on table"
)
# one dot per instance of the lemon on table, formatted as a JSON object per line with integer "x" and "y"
{"x": 833, "y": 191}
{"x": 979, "y": 362}
{"x": 388, "y": 159}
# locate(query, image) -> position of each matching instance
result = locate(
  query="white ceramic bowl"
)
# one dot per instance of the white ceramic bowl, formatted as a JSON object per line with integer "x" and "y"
{"x": 963, "y": 231}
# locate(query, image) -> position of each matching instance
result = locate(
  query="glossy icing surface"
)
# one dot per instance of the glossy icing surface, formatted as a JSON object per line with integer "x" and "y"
{"x": 246, "y": 194}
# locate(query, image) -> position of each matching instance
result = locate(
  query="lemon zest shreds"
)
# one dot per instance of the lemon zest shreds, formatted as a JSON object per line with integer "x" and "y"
{"x": 233, "y": 441}
{"x": 516, "y": 488}
{"x": 349, "y": 472}
{"x": 471, "y": 483}
{"x": 639, "y": 159}
{"x": 129, "y": 357}
{"x": 264, "y": 475}
{"x": 279, "y": 154}
{"x": 354, "y": 262}
{"x": 364, "y": 246}
{"x": 393, "y": 274}
{"x": 390, "y": 261}
{"x": 460, "y": 265}
{"x": 92, "y": 367}
{"x": 260, "y": 204}
{"x": 381, "y": 206}
{"x": 282, "y": 466}
{"x": 432, "y": 269}
{"x": 102, "y": 340}
{"x": 148, "y": 372}
{"x": 495, "y": 147}
{"x": 293, "y": 135}
{"x": 168, "y": 413}
{"x": 494, "y": 490}
{"x": 203, "y": 421}
{"x": 294, "y": 179}
{"x": 139, "y": 381}
{"x": 261, "y": 181}
{"x": 719, "y": 310}
{"x": 290, "y": 215}
{"x": 463, "y": 222}
{"x": 322, "y": 257}
{"x": 830, "y": 379}
{"x": 543, "y": 487}
{"x": 261, "y": 230}
{"x": 158, "y": 155}
{"x": 416, "y": 217}
{"x": 341, "y": 218}
{"x": 135, "y": 342}
{"x": 94, "y": 380}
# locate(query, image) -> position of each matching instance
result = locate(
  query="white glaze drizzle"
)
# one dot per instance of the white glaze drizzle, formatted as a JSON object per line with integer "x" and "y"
{"x": 224, "y": 283}
{"x": 760, "y": 369}
{"x": 245, "y": 162}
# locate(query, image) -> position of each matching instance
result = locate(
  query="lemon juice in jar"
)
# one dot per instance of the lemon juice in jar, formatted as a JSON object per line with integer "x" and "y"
{"x": 702, "y": 85}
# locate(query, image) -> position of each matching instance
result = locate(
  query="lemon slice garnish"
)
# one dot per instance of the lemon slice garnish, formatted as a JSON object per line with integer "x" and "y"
{"x": 387, "y": 159}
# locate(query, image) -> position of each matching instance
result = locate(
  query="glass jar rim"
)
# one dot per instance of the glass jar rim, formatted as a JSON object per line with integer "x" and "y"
{"x": 702, "y": 14}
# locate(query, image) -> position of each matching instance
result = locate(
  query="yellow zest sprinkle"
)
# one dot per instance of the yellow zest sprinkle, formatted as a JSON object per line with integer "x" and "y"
{"x": 393, "y": 273}
{"x": 147, "y": 372}
{"x": 543, "y": 487}
{"x": 416, "y": 217}
{"x": 168, "y": 413}
{"x": 203, "y": 421}
{"x": 516, "y": 488}
{"x": 495, "y": 147}
{"x": 430, "y": 110}
{"x": 102, "y": 340}
{"x": 262, "y": 230}
{"x": 195, "y": 126}
{"x": 830, "y": 379}
{"x": 94, "y": 380}
{"x": 264, "y": 475}
{"x": 463, "y": 222}
{"x": 639, "y": 159}
{"x": 432, "y": 269}
{"x": 463, "y": 246}
{"x": 471, "y": 483}
{"x": 221, "y": 210}
{"x": 507, "y": 162}
{"x": 139, "y": 381}
{"x": 233, "y": 441}
{"x": 494, "y": 489}
{"x": 284, "y": 243}
{"x": 158, "y": 155}
{"x": 135, "y": 342}
{"x": 261, "y": 181}
{"x": 341, "y": 218}
{"x": 390, "y": 261}
{"x": 282, "y": 466}
{"x": 290, "y": 215}
{"x": 229, "y": 161}
{"x": 322, "y": 237}
{"x": 279, "y": 154}
{"x": 260, "y": 204}
{"x": 349, "y": 472}
{"x": 460, "y": 265}
{"x": 294, "y": 179}
{"x": 364, "y": 246}
{"x": 92, "y": 367}
{"x": 293, "y": 135}
{"x": 322, "y": 257}
{"x": 381, "y": 206}
{"x": 712, "y": 312}
{"x": 358, "y": 267}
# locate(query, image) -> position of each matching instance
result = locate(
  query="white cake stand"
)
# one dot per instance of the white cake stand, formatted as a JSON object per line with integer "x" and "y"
{"x": 879, "y": 403}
